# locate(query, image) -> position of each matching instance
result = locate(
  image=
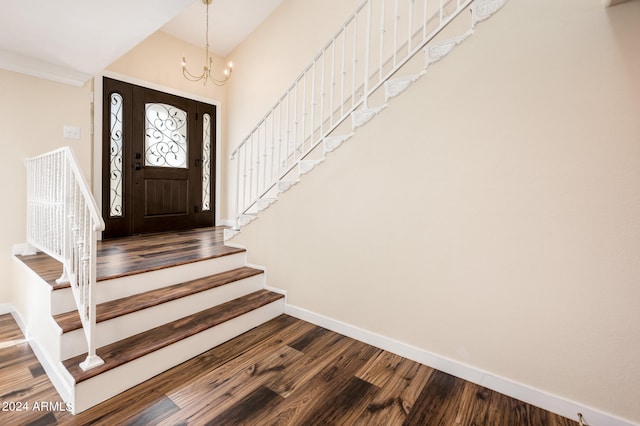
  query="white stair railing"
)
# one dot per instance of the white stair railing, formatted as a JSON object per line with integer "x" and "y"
{"x": 376, "y": 41}
{"x": 63, "y": 221}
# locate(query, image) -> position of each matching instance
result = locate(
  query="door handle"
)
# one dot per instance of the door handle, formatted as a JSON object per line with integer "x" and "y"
{"x": 138, "y": 166}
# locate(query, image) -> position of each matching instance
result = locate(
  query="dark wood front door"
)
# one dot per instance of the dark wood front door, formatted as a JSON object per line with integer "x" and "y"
{"x": 158, "y": 157}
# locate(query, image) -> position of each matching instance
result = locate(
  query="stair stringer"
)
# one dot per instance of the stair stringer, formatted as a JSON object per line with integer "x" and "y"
{"x": 33, "y": 316}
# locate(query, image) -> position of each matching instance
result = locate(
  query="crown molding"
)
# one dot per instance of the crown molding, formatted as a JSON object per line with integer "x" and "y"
{"x": 38, "y": 68}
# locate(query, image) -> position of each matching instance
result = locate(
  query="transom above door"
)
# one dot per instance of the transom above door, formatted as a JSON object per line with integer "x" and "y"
{"x": 158, "y": 161}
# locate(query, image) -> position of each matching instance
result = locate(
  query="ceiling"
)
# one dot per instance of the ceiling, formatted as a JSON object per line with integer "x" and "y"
{"x": 71, "y": 40}
{"x": 230, "y": 22}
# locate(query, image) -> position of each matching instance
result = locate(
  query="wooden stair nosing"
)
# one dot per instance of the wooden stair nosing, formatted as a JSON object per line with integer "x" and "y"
{"x": 70, "y": 321}
{"x": 157, "y": 263}
{"x": 50, "y": 269}
{"x": 134, "y": 347}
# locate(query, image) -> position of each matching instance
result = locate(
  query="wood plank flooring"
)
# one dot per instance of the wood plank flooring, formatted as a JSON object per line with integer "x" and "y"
{"x": 285, "y": 372}
{"x": 138, "y": 254}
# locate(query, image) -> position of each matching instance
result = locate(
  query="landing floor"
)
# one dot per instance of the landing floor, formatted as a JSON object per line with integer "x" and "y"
{"x": 132, "y": 255}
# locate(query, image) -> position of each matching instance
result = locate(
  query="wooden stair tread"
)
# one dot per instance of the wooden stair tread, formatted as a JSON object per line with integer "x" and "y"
{"x": 70, "y": 321}
{"x": 121, "y": 257}
{"x": 137, "y": 346}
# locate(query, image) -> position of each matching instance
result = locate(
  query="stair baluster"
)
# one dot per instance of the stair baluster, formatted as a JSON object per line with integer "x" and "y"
{"x": 63, "y": 221}
{"x": 366, "y": 60}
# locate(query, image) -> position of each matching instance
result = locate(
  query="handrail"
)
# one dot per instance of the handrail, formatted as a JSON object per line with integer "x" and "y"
{"x": 63, "y": 221}
{"x": 338, "y": 82}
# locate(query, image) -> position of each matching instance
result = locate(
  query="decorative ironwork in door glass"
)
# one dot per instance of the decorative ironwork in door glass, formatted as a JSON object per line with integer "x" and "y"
{"x": 115, "y": 162}
{"x": 165, "y": 138}
{"x": 206, "y": 162}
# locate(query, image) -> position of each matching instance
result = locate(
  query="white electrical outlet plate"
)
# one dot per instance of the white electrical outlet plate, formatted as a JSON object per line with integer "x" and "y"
{"x": 71, "y": 132}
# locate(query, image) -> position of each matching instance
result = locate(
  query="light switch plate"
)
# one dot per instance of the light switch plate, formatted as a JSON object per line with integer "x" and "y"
{"x": 71, "y": 132}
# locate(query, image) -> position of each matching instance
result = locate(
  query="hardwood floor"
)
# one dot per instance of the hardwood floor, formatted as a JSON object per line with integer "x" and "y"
{"x": 138, "y": 254}
{"x": 285, "y": 372}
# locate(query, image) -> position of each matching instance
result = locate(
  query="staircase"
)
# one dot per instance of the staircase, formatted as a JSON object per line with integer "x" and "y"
{"x": 100, "y": 333}
{"x": 382, "y": 48}
{"x": 151, "y": 315}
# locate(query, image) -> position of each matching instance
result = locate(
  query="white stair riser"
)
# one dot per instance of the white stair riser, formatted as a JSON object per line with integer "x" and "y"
{"x": 74, "y": 343}
{"x": 104, "y": 386}
{"x": 118, "y": 288}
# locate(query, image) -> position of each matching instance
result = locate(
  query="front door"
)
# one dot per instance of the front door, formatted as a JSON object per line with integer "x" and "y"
{"x": 158, "y": 159}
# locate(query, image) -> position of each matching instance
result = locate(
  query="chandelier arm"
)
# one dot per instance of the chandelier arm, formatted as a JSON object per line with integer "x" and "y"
{"x": 219, "y": 82}
{"x": 192, "y": 77}
{"x": 208, "y": 60}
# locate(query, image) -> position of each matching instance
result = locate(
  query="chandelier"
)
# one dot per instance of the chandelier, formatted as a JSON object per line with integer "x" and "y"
{"x": 208, "y": 61}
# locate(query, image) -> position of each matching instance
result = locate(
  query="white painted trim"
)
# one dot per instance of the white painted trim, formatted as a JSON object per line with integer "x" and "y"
{"x": 96, "y": 140}
{"x": 60, "y": 383}
{"x": 279, "y": 291}
{"x": 264, "y": 271}
{"x": 158, "y": 87}
{"x": 21, "y": 325}
{"x": 97, "y": 130}
{"x": 537, "y": 397}
{"x": 226, "y": 222}
{"x": 35, "y": 67}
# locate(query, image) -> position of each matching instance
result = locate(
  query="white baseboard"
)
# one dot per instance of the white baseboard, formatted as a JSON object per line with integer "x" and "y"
{"x": 277, "y": 290}
{"x": 49, "y": 367}
{"x": 226, "y": 222}
{"x": 520, "y": 391}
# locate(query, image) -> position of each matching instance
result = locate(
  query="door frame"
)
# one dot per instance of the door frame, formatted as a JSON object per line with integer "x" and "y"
{"x": 97, "y": 132}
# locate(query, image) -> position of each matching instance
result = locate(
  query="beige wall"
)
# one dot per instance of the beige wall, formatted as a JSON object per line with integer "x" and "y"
{"x": 33, "y": 113}
{"x": 490, "y": 214}
{"x": 157, "y": 60}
